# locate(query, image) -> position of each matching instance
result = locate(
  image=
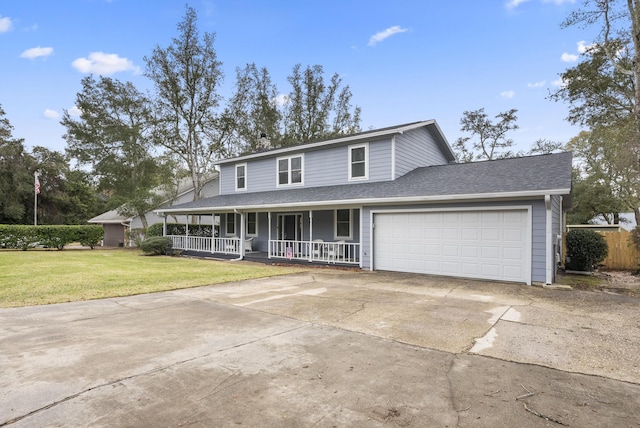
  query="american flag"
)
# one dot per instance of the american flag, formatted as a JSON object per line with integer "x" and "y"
{"x": 37, "y": 183}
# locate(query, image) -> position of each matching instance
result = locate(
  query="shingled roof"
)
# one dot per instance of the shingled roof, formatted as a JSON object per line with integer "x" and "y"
{"x": 514, "y": 177}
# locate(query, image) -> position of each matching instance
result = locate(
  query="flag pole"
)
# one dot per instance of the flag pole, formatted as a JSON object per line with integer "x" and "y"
{"x": 36, "y": 190}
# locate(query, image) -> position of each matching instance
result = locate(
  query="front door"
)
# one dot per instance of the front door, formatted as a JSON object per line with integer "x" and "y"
{"x": 290, "y": 226}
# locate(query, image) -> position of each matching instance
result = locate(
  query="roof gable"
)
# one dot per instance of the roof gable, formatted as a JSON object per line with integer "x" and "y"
{"x": 431, "y": 125}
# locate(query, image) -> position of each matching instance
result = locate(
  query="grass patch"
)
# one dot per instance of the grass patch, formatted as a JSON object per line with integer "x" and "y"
{"x": 583, "y": 282}
{"x": 44, "y": 277}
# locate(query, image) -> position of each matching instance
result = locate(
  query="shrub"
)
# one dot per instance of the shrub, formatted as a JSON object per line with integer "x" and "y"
{"x": 154, "y": 230}
{"x": 156, "y": 245}
{"x": 585, "y": 249}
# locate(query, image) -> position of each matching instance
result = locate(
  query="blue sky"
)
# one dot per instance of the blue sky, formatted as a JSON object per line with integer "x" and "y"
{"x": 403, "y": 60}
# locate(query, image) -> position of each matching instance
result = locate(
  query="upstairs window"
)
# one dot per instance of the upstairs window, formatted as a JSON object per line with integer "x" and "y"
{"x": 241, "y": 177}
{"x": 359, "y": 162}
{"x": 290, "y": 170}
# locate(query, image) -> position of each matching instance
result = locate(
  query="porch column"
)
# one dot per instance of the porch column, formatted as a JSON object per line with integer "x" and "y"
{"x": 310, "y": 245}
{"x": 164, "y": 225}
{"x": 269, "y": 242}
{"x": 213, "y": 232}
{"x": 186, "y": 226}
{"x": 242, "y": 232}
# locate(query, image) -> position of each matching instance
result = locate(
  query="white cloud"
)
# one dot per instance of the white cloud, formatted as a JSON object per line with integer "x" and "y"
{"x": 539, "y": 84}
{"x": 559, "y": 82}
{"x": 51, "y": 114}
{"x": 582, "y": 46}
{"x": 380, "y": 36}
{"x": 507, "y": 94}
{"x": 5, "y": 24}
{"x": 282, "y": 99}
{"x": 512, "y": 4}
{"x": 103, "y": 63}
{"x": 567, "y": 57}
{"x": 74, "y": 111}
{"x": 34, "y": 53}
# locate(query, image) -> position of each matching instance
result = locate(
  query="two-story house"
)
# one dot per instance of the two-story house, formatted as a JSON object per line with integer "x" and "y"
{"x": 391, "y": 199}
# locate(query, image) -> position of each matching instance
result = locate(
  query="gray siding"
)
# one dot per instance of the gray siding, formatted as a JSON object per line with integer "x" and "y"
{"x": 414, "y": 149}
{"x": 538, "y": 222}
{"x": 325, "y": 167}
{"x": 538, "y": 242}
{"x": 211, "y": 188}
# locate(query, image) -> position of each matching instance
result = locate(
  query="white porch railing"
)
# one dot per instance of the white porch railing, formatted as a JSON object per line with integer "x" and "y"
{"x": 206, "y": 244}
{"x": 316, "y": 251}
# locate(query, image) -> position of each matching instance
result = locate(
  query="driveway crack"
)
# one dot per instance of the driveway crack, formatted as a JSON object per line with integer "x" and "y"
{"x": 142, "y": 374}
{"x": 451, "y": 391}
{"x": 362, "y": 308}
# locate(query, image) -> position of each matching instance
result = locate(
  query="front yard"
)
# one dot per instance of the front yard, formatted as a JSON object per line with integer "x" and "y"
{"x": 45, "y": 277}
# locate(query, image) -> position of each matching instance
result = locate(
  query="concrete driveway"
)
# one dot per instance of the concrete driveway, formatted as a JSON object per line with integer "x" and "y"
{"x": 326, "y": 348}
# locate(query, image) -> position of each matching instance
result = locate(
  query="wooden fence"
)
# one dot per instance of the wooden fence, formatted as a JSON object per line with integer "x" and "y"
{"x": 623, "y": 255}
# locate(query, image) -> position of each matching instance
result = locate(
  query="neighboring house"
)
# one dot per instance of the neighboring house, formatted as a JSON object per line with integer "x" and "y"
{"x": 116, "y": 225}
{"x": 596, "y": 227}
{"x": 627, "y": 221}
{"x": 391, "y": 199}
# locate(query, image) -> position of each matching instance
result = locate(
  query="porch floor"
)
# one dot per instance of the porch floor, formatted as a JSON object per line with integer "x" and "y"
{"x": 263, "y": 257}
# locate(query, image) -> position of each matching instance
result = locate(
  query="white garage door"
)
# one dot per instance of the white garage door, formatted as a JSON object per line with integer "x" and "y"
{"x": 487, "y": 244}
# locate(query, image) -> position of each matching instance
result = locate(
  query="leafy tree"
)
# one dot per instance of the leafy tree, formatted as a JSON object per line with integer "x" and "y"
{"x": 488, "y": 140}
{"x": 315, "y": 110}
{"x": 114, "y": 137}
{"x": 608, "y": 166}
{"x": 604, "y": 95}
{"x": 16, "y": 176}
{"x": 189, "y": 125}
{"x": 543, "y": 146}
{"x": 255, "y": 108}
{"x": 591, "y": 199}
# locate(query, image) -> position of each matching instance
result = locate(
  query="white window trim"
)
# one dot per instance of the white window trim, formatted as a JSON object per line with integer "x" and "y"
{"x": 366, "y": 162}
{"x": 288, "y": 158}
{"x": 236, "y": 177}
{"x": 246, "y": 226}
{"x": 335, "y": 224}
{"x": 226, "y": 224}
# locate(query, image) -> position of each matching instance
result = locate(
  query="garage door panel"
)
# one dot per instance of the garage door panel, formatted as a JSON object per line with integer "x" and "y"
{"x": 450, "y": 233}
{"x": 469, "y": 251}
{"x": 490, "y": 244}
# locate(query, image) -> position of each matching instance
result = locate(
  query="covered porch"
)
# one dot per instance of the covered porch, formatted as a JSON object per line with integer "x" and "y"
{"x": 324, "y": 236}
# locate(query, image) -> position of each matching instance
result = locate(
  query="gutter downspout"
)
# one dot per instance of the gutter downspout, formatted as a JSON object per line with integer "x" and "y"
{"x": 549, "y": 256}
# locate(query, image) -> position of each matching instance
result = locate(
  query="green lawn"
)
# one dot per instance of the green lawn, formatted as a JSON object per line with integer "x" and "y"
{"x": 42, "y": 277}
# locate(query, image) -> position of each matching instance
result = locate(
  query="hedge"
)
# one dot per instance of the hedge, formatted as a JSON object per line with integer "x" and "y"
{"x": 24, "y": 236}
{"x": 203, "y": 230}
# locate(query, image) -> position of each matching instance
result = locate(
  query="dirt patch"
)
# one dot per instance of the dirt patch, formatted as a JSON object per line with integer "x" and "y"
{"x": 618, "y": 282}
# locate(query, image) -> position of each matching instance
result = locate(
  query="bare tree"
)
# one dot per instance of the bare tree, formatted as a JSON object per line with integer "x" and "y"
{"x": 187, "y": 76}
{"x": 488, "y": 140}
